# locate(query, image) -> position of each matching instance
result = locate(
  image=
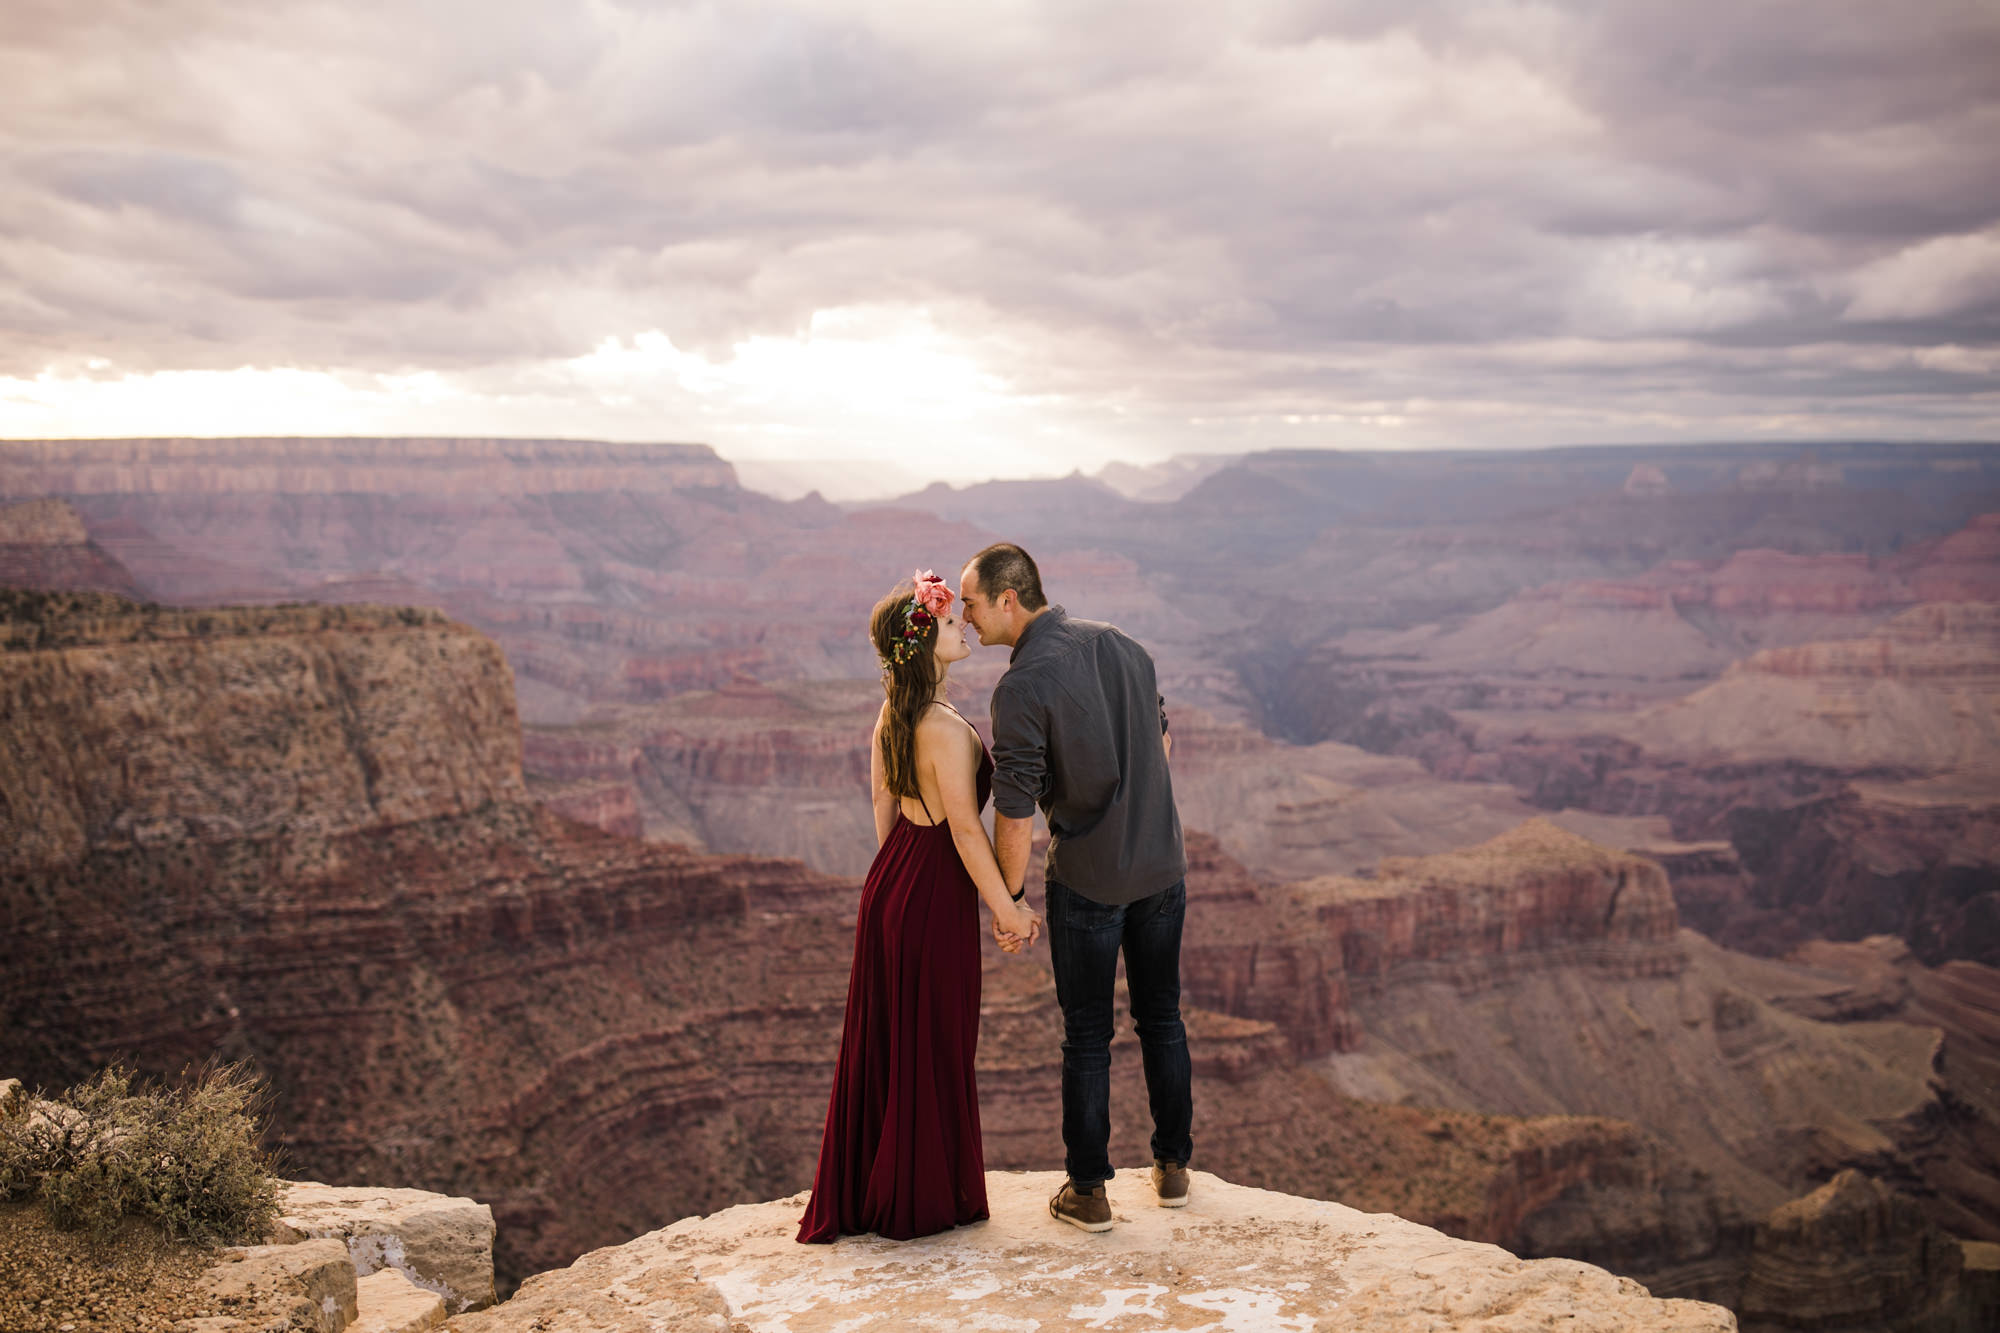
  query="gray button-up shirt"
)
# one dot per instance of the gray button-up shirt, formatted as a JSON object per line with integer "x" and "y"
{"x": 1077, "y": 724}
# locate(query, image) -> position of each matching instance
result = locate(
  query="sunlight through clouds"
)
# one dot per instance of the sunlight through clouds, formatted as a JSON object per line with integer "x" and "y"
{"x": 887, "y": 378}
{"x": 849, "y": 229}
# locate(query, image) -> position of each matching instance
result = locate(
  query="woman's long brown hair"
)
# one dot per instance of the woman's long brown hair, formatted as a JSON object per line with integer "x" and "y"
{"x": 910, "y": 684}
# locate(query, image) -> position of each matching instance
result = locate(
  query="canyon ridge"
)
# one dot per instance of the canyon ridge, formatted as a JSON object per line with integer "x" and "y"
{"x": 450, "y": 789}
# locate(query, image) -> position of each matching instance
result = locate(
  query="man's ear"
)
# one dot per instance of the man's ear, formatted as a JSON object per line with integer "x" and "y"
{"x": 1007, "y": 601}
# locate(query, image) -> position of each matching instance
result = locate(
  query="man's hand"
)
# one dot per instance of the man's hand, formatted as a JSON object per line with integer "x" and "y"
{"x": 1013, "y": 942}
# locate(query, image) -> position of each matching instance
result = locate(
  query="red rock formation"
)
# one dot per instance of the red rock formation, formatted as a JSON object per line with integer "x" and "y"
{"x": 44, "y": 545}
{"x": 1854, "y": 778}
{"x": 1538, "y": 973}
{"x": 133, "y": 725}
{"x": 470, "y": 468}
{"x": 1535, "y": 896}
{"x": 1962, "y": 567}
{"x": 451, "y": 988}
{"x": 1854, "y": 1254}
{"x": 1951, "y": 1161}
{"x": 1250, "y": 953}
{"x": 602, "y": 805}
{"x": 1914, "y": 859}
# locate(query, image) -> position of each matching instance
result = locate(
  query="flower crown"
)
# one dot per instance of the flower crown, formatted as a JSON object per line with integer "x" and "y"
{"x": 929, "y": 599}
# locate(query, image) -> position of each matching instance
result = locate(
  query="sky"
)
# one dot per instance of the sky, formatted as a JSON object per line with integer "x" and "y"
{"x": 930, "y": 241}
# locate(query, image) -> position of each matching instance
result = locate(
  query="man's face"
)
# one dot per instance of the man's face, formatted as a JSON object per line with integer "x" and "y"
{"x": 980, "y": 613}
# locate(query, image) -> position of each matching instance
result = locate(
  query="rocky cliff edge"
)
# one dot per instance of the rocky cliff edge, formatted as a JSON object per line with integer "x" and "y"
{"x": 1234, "y": 1259}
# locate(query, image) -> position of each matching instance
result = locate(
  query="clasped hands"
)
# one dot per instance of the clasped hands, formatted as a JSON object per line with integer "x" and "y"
{"x": 1013, "y": 941}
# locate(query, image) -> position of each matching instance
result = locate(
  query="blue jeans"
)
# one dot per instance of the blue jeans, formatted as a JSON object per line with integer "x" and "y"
{"x": 1085, "y": 938}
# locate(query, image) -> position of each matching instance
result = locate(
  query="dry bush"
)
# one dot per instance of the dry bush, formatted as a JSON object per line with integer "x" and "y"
{"x": 187, "y": 1157}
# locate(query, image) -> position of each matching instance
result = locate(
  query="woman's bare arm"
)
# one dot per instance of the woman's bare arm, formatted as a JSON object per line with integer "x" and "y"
{"x": 887, "y": 807}
{"x": 950, "y": 752}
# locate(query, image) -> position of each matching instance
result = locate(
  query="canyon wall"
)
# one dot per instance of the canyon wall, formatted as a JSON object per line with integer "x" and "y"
{"x": 44, "y": 545}
{"x": 452, "y": 988}
{"x": 1540, "y": 975}
{"x": 379, "y": 466}
{"x": 124, "y": 725}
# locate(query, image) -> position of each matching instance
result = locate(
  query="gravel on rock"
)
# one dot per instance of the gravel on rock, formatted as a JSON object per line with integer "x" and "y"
{"x": 134, "y": 1281}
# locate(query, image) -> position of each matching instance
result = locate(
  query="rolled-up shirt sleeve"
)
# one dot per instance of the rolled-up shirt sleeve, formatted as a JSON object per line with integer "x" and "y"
{"x": 1020, "y": 752}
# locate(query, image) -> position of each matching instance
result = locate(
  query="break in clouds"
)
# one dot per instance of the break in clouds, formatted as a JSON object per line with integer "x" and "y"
{"x": 1083, "y": 229}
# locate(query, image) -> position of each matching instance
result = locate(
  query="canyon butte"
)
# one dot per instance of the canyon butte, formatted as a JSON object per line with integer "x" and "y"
{"x": 449, "y": 789}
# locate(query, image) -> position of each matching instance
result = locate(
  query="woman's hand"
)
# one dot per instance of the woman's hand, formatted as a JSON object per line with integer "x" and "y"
{"x": 1016, "y": 928}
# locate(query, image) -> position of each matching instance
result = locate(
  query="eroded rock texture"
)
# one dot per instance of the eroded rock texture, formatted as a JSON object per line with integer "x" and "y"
{"x": 1234, "y": 1258}
{"x": 454, "y": 989}
{"x": 1541, "y": 975}
{"x": 44, "y": 545}
{"x": 130, "y": 726}
{"x": 1528, "y": 620}
{"x": 1853, "y": 1254}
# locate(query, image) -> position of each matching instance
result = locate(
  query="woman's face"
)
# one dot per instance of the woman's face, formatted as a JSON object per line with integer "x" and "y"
{"x": 951, "y": 645}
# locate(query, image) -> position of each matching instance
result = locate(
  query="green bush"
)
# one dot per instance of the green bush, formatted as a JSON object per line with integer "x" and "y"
{"x": 187, "y": 1157}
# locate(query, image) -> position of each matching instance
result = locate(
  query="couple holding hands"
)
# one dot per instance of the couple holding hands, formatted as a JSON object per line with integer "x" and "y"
{"x": 1080, "y": 731}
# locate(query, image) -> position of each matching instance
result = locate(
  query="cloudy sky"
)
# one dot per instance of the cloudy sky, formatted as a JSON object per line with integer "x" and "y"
{"x": 1000, "y": 238}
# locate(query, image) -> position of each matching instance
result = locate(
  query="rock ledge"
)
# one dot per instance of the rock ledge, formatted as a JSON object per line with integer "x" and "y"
{"x": 1234, "y": 1259}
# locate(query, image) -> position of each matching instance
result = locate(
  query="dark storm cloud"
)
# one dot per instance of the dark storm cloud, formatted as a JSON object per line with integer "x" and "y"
{"x": 1734, "y": 207}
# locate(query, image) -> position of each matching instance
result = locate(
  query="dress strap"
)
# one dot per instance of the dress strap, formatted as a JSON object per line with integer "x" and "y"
{"x": 961, "y": 717}
{"x": 920, "y": 786}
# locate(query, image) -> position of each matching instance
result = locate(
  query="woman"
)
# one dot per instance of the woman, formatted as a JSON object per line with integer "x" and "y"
{"x": 901, "y": 1155}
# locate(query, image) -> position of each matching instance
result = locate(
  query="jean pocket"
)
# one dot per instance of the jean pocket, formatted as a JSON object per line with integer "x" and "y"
{"x": 1085, "y": 914}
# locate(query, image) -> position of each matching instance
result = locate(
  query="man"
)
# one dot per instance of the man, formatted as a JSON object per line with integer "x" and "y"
{"x": 1080, "y": 730}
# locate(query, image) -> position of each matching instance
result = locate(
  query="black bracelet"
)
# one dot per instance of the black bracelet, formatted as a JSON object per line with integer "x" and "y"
{"x": 1022, "y": 893}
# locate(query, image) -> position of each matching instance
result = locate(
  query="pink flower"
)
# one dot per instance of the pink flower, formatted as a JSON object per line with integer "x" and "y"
{"x": 931, "y": 594}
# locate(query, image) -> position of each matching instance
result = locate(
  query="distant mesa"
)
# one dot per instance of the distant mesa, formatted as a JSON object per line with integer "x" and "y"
{"x": 1793, "y": 474}
{"x": 44, "y": 545}
{"x": 1646, "y": 479}
{"x": 379, "y": 466}
{"x": 1821, "y": 1262}
{"x": 1921, "y": 692}
{"x": 41, "y": 523}
{"x": 1164, "y": 481}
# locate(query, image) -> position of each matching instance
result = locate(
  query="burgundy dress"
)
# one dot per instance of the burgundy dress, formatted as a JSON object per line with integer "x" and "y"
{"x": 901, "y": 1155}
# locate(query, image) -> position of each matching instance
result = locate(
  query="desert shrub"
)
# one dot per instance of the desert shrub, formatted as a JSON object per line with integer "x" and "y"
{"x": 187, "y": 1157}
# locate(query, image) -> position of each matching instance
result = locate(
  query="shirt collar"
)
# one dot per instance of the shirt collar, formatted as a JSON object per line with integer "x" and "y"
{"x": 1035, "y": 627}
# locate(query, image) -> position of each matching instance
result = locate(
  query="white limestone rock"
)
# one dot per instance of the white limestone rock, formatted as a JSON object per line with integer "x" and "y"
{"x": 391, "y": 1303}
{"x": 440, "y": 1243}
{"x": 1234, "y": 1259}
{"x": 307, "y": 1285}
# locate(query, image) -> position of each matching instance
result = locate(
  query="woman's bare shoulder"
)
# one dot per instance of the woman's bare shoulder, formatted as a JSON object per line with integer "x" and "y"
{"x": 941, "y": 725}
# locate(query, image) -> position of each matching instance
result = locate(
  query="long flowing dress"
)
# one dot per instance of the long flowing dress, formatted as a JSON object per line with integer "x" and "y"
{"x": 901, "y": 1155}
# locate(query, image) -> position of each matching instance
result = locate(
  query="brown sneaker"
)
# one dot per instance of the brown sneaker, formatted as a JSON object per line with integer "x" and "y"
{"x": 1170, "y": 1182}
{"x": 1088, "y": 1209}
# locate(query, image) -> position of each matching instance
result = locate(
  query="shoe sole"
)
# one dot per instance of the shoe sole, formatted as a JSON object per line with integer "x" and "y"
{"x": 1174, "y": 1203}
{"x": 1079, "y": 1223}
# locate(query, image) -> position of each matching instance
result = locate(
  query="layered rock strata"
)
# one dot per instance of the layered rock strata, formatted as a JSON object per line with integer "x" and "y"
{"x": 1536, "y": 899}
{"x": 471, "y": 468}
{"x": 1540, "y": 975}
{"x": 1853, "y": 1254}
{"x": 1855, "y": 780}
{"x": 123, "y": 725}
{"x": 453, "y": 988}
{"x": 780, "y": 769}
{"x": 1921, "y": 692}
{"x": 44, "y": 545}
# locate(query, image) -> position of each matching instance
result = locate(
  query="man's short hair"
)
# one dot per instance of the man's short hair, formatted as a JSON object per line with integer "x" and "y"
{"x": 1004, "y": 565}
